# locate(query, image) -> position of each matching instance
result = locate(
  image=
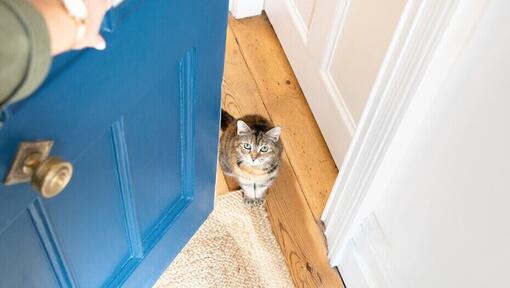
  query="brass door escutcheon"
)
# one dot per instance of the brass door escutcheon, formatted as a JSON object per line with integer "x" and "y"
{"x": 32, "y": 163}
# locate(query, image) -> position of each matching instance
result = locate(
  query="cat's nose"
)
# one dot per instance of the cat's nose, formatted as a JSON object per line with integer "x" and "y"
{"x": 253, "y": 157}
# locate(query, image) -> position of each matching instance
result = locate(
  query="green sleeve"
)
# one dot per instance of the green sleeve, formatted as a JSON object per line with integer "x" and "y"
{"x": 25, "y": 55}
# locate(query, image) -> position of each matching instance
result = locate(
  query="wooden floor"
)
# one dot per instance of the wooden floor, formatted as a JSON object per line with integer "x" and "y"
{"x": 258, "y": 79}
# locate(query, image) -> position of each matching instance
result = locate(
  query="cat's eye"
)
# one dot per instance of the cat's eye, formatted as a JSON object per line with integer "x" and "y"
{"x": 247, "y": 146}
{"x": 264, "y": 149}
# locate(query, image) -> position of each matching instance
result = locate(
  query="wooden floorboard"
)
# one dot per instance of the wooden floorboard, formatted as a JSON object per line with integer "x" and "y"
{"x": 292, "y": 216}
{"x": 287, "y": 107}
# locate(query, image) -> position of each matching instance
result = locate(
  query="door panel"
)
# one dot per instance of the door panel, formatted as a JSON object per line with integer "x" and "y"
{"x": 139, "y": 122}
{"x": 155, "y": 166}
{"x": 96, "y": 242}
{"x": 359, "y": 52}
{"x": 18, "y": 263}
{"x": 305, "y": 9}
{"x": 336, "y": 56}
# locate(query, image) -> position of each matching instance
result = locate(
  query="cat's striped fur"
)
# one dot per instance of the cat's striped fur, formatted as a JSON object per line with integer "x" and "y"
{"x": 250, "y": 151}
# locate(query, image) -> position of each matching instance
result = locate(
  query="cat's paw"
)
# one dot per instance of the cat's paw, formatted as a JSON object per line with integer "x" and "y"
{"x": 259, "y": 201}
{"x": 249, "y": 201}
{"x": 254, "y": 202}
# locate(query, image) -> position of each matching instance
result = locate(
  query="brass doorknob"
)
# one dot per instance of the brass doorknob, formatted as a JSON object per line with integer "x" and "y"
{"x": 48, "y": 175}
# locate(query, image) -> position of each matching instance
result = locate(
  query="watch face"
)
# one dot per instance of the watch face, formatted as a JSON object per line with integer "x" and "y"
{"x": 76, "y": 8}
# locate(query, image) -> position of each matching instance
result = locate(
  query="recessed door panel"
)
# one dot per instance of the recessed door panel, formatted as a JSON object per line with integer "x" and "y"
{"x": 23, "y": 262}
{"x": 151, "y": 139}
{"x": 89, "y": 218}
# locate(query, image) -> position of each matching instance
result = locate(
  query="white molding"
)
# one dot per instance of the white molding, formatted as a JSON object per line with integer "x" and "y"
{"x": 339, "y": 102}
{"x": 245, "y": 8}
{"x": 336, "y": 34}
{"x": 327, "y": 78}
{"x": 371, "y": 251}
{"x": 417, "y": 35}
{"x": 298, "y": 20}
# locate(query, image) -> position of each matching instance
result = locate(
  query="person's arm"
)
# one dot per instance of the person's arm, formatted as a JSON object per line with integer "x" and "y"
{"x": 31, "y": 32}
{"x": 24, "y": 50}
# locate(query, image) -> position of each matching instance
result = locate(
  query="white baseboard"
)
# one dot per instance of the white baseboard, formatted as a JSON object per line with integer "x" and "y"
{"x": 246, "y": 8}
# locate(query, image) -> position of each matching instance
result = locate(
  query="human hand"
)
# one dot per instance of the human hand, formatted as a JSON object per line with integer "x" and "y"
{"x": 62, "y": 27}
{"x": 96, "y": 11}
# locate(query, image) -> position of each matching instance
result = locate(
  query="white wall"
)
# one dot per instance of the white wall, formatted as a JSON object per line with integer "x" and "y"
{"x": 442, "y": 216}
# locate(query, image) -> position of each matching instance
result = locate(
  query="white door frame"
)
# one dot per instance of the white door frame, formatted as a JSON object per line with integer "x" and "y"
{"x": 428, "y": 38}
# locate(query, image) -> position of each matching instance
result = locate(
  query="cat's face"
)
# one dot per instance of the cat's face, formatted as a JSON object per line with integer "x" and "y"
{"x": 257, "y": 148}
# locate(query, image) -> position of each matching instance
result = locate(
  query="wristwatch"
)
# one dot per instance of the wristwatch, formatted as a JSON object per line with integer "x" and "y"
{"x": 78, "y": 11}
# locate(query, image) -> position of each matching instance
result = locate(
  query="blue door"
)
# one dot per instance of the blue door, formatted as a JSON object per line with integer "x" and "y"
{"x": 139, "y": 123}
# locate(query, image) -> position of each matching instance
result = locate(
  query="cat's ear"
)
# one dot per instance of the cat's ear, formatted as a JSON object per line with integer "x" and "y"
{"x": 274, "y": 134}
{"x": 242, "y": 128}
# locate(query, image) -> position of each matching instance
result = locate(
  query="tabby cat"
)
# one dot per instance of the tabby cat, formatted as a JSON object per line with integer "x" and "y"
{"x": 250, "y": 150}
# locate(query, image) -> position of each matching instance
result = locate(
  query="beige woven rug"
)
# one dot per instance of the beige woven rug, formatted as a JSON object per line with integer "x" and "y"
{"x": 235, "y": 247}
